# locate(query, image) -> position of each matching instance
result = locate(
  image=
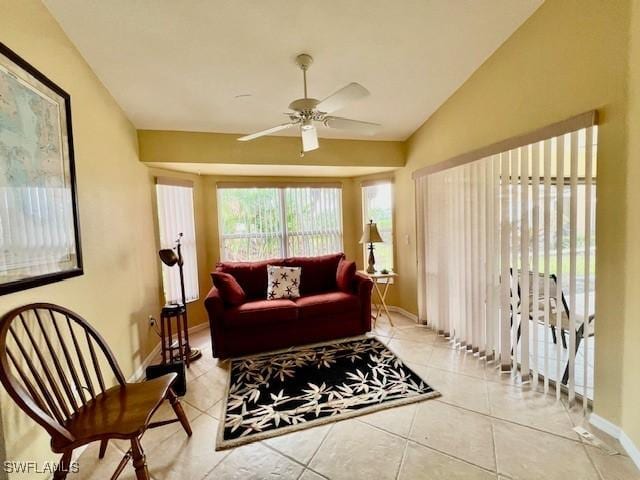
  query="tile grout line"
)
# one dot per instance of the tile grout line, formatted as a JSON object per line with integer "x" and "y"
{"x": 285, "y": 455}
{"x": 320, "y": 446}
{"x": 592, "y": 462}
{"x": 447, "y": 454}
{"x": 406, "y": 443}
{"x": 493, "y": 434}
{"x": 537, "y": 429}
{"x": 217, "y": 464}
{"x": 426, "y": 446}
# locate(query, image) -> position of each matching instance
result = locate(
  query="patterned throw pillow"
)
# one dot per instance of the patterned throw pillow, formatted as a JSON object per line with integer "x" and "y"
{"x": 283, "y": 282}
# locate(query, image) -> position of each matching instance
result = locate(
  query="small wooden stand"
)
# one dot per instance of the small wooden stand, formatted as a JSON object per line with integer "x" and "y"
{"x": 176, "y": 350}
{"x": 378, "y": 279}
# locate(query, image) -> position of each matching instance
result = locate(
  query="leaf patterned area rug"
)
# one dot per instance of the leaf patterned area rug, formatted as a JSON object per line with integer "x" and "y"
{"x": 273, "y": 394}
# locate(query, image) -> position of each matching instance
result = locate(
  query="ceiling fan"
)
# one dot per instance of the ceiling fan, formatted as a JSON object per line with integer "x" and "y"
{"x": 307, "y": 110}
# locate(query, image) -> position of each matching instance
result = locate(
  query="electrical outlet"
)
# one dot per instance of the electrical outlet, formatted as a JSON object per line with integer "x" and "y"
{"x": 152, "y": 321}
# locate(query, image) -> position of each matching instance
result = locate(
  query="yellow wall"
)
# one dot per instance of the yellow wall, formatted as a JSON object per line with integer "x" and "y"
{"x": 569, "y": 57}
{"x": 120, "y": 285}
{"x": 631, "y": 385}
{"x": 194, "y": 147}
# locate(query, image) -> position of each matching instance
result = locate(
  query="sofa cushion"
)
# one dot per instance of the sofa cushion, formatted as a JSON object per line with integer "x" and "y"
{"x": 252, "y": 276}
{"x": 261, "y": 312}
{"x": 230, "y": 290}
{"x": 345, "y": 275}
{"x": 327, "y": 304}
{"x": 318, "y": 273}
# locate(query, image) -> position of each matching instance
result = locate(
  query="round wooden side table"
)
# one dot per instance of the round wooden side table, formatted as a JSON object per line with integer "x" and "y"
{"x": 173, "y": 318}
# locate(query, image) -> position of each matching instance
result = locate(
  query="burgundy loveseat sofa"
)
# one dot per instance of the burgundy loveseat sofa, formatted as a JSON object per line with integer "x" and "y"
{"x": 335, "y": 302}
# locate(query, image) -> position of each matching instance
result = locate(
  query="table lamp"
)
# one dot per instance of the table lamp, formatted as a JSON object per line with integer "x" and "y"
{"x": 371, "y": 236}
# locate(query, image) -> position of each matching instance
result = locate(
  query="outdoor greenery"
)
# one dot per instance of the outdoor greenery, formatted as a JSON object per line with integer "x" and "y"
{"x": 259, "y": 223}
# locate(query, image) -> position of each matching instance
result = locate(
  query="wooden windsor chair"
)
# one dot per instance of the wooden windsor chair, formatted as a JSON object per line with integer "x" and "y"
{"x": 53, "y": 364}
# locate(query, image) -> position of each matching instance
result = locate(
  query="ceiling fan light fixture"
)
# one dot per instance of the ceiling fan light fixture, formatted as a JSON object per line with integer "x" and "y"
{"x": 307, "y": 110}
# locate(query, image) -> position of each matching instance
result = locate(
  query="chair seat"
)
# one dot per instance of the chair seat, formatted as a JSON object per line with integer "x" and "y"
{"x": 122, "y": 411}
{"x": 579, "y": 319}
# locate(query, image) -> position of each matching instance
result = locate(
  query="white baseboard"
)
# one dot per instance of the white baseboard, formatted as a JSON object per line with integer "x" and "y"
{"x": 605, "y": 425}
{"x": 631, "y": 448}
{"x": 402, "y": 311}
{"x": 139, "y": 374}
{"x": 616, "y": 432}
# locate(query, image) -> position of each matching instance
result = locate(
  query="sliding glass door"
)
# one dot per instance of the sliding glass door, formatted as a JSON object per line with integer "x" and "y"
{"x": 507, "y": 258}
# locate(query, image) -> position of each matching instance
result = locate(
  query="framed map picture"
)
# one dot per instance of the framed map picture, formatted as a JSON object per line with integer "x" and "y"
{"x": 39, "y": 230}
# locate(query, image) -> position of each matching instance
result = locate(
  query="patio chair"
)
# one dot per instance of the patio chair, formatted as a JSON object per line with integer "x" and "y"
{"x": 554, "y": 292}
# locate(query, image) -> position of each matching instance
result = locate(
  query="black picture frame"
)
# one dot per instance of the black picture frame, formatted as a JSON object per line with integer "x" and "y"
{"x": 37, "y": 280}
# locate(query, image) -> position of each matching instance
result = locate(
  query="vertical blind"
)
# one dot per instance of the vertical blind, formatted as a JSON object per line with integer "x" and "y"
{"x": 506, "y": 258}
{"x": 377, "y": 205}
{"x": 36, "y": 231}
{"x": 175, "y": 216}
{"x": 266, "y": 222}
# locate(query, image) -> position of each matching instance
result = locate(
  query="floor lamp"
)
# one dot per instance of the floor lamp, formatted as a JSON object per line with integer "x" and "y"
{"x": 171, "y": 257}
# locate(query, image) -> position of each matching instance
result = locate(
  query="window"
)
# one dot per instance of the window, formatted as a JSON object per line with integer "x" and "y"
{"x": 175, "y": 216}
{"x": 267, "y": 222}
{"x": 377, "y": 205}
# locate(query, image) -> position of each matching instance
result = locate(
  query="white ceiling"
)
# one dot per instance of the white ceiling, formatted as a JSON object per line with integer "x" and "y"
{"x": 178, "y": 65}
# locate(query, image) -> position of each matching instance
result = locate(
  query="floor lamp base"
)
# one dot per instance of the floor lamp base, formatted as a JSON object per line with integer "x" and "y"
{"x": 194, "y": 354}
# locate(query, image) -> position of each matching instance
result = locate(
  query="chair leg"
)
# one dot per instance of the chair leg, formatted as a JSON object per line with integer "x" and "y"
{"x": 121, "y": 465}
{"x": 564, "y": 339}
{"x": 139, "y": 460}
{"x": 63, "y": 469}
{"x": 103, "y": 448}
{"x": 177, "y": 408}
{"x": 553, "y": 334}
{"x": 579, "y": 335}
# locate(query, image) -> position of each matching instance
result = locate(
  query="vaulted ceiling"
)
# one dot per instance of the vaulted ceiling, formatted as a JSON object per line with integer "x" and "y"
{"x": 228, "y": 65}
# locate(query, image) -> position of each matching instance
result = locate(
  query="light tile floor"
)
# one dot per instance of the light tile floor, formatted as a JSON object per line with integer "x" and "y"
{"x": 485, "y": 426}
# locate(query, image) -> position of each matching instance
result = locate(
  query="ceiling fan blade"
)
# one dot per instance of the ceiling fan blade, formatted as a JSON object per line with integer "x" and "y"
{"x": 353, "y": 91}
{"x": 309, "y": 138}
{"x": 268, "y": 131}
{"x": 367, "y": 128}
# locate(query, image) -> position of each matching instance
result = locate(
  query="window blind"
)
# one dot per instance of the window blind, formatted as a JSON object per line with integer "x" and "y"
{"x": 257, "y": 223}
{"x": 175, "y": 216}
{"x": 506, "y": 258}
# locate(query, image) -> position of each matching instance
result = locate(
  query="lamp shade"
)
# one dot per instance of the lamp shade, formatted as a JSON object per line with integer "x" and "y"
{"x": 168, "y": 257}
{"x": 371, "y": 234}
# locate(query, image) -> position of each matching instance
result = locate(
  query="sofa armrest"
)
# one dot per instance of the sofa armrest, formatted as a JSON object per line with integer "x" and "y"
{"x": 363, "y": 287}
{"x": 362, "y": 284}
{"x": 215, "y": 309}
